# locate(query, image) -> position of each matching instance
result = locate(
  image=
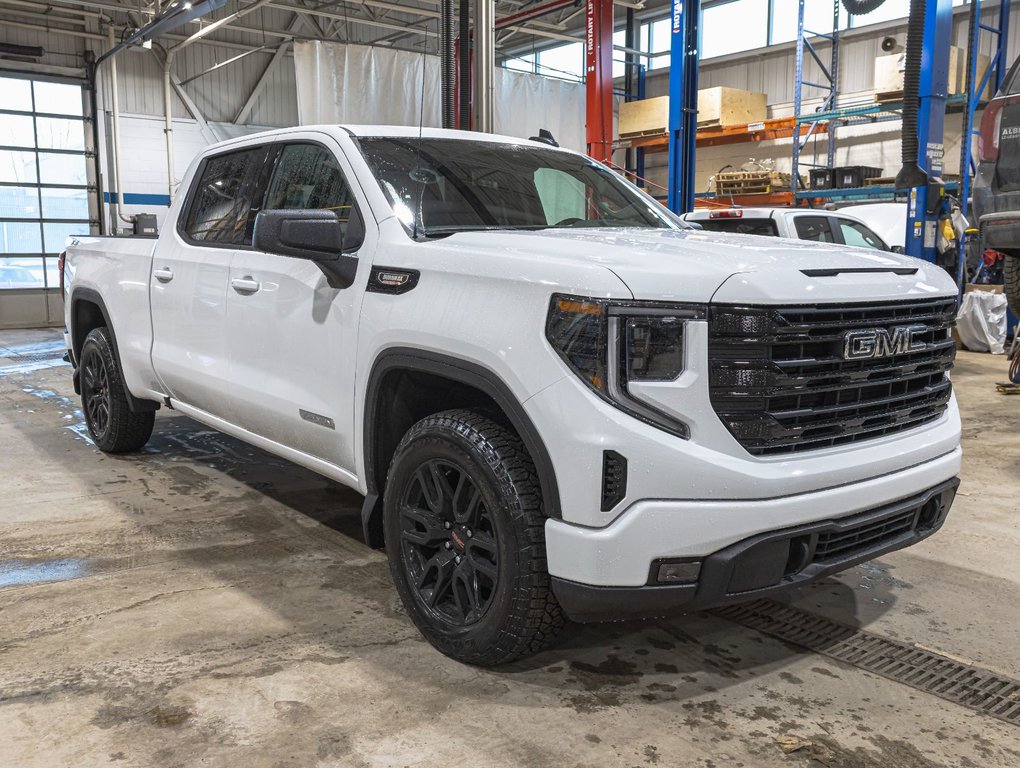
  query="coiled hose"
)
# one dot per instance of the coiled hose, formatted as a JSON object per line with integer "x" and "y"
{"x": 910, "y": 174}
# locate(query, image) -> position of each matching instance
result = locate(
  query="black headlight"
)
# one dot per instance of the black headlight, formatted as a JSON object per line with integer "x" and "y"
{"x": 609, "y": 344}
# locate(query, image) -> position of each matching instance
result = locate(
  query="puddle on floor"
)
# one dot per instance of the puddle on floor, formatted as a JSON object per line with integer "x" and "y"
{"x": 18, "y": 573}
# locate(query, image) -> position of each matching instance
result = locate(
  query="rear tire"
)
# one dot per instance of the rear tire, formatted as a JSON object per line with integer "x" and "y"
{"x": 111, "y": 423}
{"x": 1011, "y": 272}
{"x": 465, "y": 538}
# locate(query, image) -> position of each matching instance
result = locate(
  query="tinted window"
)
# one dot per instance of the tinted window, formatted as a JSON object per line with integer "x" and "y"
{"x": 441, "y": 186}
{"x": 860, "y": 236}
{"x": 814, "y": 228}
{"x": 741, "y": 226}
{"x": 220, "y": 203}
{"x": 308, "y": 177}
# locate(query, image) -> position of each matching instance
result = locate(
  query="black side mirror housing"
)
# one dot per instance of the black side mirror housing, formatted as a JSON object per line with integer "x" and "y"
{"x": 315, "y": 235}
{"x": 897, "y": 249}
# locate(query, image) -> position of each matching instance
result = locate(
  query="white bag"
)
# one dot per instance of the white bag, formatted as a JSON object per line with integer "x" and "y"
{"x": 981, "y": 322}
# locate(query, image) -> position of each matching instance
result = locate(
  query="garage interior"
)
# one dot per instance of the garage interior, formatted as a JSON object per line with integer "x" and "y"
{"x": 203, "y": 602}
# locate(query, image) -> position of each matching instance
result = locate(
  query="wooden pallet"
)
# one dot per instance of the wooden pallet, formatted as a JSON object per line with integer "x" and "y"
{"x": 880, "y": 181}
{"x": 751, "y": 182}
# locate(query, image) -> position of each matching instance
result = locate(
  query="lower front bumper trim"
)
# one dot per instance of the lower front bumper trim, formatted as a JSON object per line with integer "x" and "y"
{"x": 769, "y": 562}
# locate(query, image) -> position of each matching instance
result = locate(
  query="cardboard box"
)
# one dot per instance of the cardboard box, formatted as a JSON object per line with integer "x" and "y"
{"x": 730, "y": 106}
{"x": 644, "y": 117}
{"x": 986, "y": 288}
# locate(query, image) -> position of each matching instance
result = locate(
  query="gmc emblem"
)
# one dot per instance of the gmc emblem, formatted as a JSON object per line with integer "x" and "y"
{"x": 868, "y": 343}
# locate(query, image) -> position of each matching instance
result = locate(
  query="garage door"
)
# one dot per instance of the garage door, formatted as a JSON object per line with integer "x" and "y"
{"x": 44, "y": 193}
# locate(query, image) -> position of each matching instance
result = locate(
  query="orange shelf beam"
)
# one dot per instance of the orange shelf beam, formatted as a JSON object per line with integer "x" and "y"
{"x": 766, "y": 130}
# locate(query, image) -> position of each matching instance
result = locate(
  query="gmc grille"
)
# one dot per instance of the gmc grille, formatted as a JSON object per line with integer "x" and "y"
{"x": 780, "y": 383}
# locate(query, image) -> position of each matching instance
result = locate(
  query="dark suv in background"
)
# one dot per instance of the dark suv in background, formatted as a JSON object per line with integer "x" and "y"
{"x": 997, "y": 186}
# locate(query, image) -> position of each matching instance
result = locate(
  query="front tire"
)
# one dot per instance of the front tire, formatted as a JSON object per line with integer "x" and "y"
{"x": 111, "y": 423}
{"x": 465, "y": 539}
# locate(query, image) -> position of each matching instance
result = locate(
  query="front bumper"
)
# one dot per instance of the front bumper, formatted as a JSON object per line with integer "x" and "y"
{"x": 765, "y": 563}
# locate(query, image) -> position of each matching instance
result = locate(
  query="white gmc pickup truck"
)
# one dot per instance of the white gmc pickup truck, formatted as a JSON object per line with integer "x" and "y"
{"x": 557, "y": 399}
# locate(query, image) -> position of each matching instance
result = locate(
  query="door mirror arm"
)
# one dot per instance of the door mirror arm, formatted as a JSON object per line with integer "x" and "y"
{"x": 313, "y": 235}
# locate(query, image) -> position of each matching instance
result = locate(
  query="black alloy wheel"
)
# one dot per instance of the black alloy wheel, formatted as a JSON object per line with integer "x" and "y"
{"x": 465, "y": 539}
{"x": 114, "y": 427}
{"x": 95, "y": 392}
{"x": 449, "y": 543}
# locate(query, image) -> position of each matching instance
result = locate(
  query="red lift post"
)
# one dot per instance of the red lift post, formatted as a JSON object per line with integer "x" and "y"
{"x": 598, "y": 78}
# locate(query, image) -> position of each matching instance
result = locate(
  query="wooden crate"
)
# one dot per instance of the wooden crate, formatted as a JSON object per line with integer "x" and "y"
{"x": 751, "y": 182}
{"x": 730, "y": 106}
{"x": 646, "y": 117}
{"x": 889, "y": 75}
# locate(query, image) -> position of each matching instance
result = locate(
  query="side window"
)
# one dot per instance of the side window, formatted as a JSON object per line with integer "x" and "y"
{"x": 308, "y": 177}
{"x": 860, "y": 236}
{"x": 814, "y": 228}
{"x": 561, "y": 195}
{"x": 220, "y": 204}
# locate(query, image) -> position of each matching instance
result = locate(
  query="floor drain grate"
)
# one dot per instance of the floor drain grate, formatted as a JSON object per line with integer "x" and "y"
{"x": 952, "y": 680}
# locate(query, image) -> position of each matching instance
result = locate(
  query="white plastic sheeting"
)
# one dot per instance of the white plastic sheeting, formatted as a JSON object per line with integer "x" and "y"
{"x": 981, "y": 322}
{"x": 338, "y": 83}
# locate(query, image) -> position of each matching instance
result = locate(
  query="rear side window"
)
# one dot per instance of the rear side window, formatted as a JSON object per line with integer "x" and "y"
{"x": 765, "y": 227}
{"x": 221, "y": 203}
{"x": 308, "y": 177}
{"x": 814, "y": 228}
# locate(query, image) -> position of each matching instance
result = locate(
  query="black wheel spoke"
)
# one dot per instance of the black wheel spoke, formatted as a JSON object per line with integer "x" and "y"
{"x": 427, "y": 528}
{"x": 449, "y": 549}
{"x": 95, "y": 390}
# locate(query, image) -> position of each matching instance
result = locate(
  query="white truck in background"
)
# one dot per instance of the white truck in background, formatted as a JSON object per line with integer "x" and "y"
{"x": 557, "y": 399}
{"x": 840, "y": 227}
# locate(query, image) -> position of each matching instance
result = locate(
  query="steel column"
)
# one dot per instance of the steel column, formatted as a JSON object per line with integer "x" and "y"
{"x": 598, "y": 79}
{"x": 485, "y": 62}
{"x": 683, "y": 103}
{"x": 923, "y": 209}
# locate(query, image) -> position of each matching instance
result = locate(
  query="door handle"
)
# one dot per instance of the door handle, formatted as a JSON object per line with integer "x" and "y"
{"x": 164, "y": 275}
{"x": 246, "y": 285}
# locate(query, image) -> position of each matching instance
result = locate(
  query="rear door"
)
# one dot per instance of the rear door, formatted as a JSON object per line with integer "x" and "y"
{"x": 292, "y": 338}
{"x": 189, "y": 276}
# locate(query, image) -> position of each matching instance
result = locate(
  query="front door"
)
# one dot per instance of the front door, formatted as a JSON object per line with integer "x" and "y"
{"x": 292, "y": 338}
{"x": 189, "y": 276}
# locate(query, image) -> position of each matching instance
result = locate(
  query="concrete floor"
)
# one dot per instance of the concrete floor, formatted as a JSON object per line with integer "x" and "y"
{"x": 203, "y": 603}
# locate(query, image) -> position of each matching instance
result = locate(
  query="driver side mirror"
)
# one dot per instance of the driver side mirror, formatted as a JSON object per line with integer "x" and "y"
{"x": 314, "y": 235}
{"x": 897, "y": 249}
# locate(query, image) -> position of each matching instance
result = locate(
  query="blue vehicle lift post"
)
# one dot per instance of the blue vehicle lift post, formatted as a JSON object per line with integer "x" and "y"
{"x": 685, "y": 42}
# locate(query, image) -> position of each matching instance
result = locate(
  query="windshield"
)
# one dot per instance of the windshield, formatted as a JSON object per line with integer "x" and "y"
{"x": 459, "y": 185}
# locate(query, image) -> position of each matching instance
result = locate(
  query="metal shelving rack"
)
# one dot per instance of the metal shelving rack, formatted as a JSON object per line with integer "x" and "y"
{"x": 833, "y": 115}
{"x": 829, "y": 88}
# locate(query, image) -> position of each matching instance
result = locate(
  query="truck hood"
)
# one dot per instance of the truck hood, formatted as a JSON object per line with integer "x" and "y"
{"x": 698, "y": 266}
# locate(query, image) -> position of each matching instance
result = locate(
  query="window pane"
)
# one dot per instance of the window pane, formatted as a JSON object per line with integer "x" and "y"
{"x": 58, "y": 98}
{"x": 887, "y": 11}
{"x": 308, "y": 177}
{"x": 738, "y": 26}
{"x": 19, "y": 202}
{"x": 58, "y": 133}
{"x": 21, "y": 273}
{"x": 62, "y": 169}
{"x": 16, "y": 131}
{"x": 15, "y": 94}
{"x": 562, "y": 61}
{"x": 20, "y": 237}
{"x": 860, "y": 236}
{"x": 522, "y": 63}
{"x": 17, "y": 167}
{"x": 817, "y": 18}
{"x": 814, "y": 228}
{"x": 562, "y": 196}
{"x": 219, "y": 213}
{"x": 56, "y": 235}
{"x": 661, "y": 39}
{"x": 65, "y": 203}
